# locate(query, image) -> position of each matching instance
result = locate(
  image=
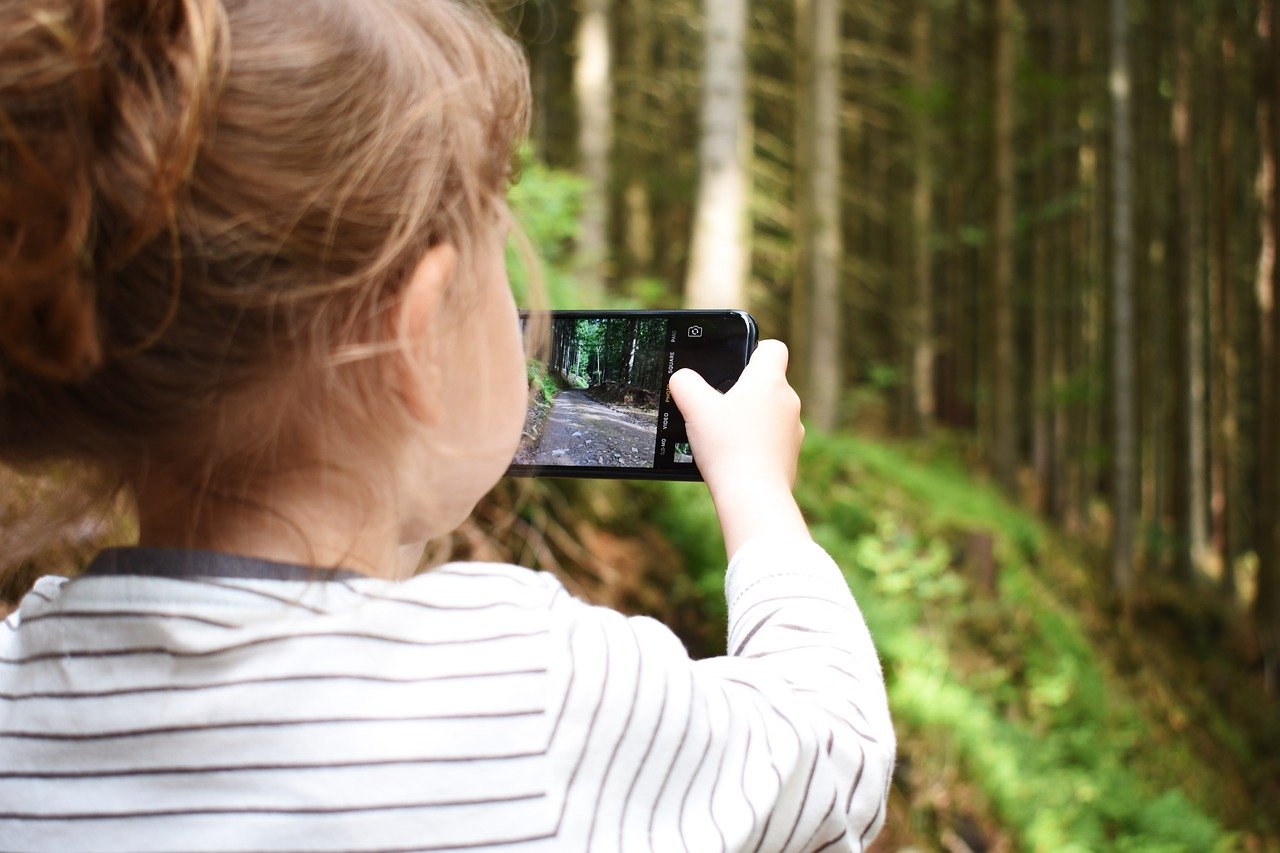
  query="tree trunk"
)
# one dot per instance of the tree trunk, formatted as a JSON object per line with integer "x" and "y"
{"x": 1194, "y": 512}
{"x": 1004, "y": 368}
{"x": 824, "y": 232}
{"x": 719, "y": 260}
{"x": 1224, "y": 400}
{"x": 593, "y": 91}
{"x": 1267, "y": 604}
{"x": 1124, "y": 457}
{"x": 639, "y": 227}
{"x": 923, "y": 352}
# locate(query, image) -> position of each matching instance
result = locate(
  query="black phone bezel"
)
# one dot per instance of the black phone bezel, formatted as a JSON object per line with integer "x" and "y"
{"x": 600, "y": 472}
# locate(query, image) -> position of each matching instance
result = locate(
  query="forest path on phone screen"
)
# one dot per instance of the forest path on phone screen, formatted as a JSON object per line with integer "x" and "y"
{"x": 582, "y": 431}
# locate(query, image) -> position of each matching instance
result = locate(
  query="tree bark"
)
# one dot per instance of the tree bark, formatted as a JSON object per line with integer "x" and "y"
{"x": 1004, "y": 373}
{"x": 1193, "y": 552}
{"x": 801, "y": 284}
{"x": 639, "y": 214}
{"x": 719, "y": 260}
{"x": 1224, "y": 402}
{"x": 825, "y": 252}
{"x": 1124, "y": 428}
{"x": 1267, "y": 603}
{"x": 923, "y": 349}
{"x": 593, "y": 91}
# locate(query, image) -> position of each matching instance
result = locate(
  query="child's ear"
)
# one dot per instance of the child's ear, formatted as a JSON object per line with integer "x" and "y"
{"x": 418, "y": 332}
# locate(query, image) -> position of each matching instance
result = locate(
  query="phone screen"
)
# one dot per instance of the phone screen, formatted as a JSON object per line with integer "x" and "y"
{"x": 600, "y": 405}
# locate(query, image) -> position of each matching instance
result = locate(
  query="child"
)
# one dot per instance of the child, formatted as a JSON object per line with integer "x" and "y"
{"x": 251, "y": 267}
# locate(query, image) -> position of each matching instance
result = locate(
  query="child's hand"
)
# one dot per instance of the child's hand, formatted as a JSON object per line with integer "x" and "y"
{"x": 747, "y": 444}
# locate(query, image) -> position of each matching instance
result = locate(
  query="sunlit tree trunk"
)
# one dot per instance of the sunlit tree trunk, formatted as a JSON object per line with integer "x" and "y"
{"x": 1004, "y": 373}
{"x": 1124, "y": 455}
{"x": 801, "y": 286}
{"x": 923, "y": 350}
{"x": 639, "y": 214}
{"x": 719, "y": 254}
{"x": 593, "y": 91}
{"x": 825, "y": 251}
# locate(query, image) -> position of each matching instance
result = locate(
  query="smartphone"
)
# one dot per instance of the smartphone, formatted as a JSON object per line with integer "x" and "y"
{"x": 600, "y": 406}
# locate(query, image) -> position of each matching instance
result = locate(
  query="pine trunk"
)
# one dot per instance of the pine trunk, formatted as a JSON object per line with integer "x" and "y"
{"x": 1194, "y": 511}
{"x": 593, "y": 91}
{"x": 1267, "y": 605}
{"x": 923, "y": 353}
{"x": 719, "y": 259}
{"x": 826, "y": 250}
{"x": 1004, "y": 425}
{"x": 1124, "y": 457}
{"x": 1224, "y": 400}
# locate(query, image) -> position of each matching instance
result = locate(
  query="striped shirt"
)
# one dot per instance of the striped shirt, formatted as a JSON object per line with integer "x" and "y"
{"x": 182, "y": 700}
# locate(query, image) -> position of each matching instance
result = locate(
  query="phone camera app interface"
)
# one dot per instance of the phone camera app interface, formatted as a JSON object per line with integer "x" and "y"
{"x": 598, "y": 396}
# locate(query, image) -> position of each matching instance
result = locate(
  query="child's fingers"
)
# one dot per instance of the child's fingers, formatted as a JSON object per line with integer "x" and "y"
{"x": 768, "y": 362}
{"x": 691, "y": 392}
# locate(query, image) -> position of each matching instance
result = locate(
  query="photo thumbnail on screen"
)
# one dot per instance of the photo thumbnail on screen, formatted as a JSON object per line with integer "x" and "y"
{"x": 598, "y": 396}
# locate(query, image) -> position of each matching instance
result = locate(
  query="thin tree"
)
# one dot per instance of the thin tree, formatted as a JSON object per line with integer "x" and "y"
{"x": 922, "y": 223}
{"x": 1004, "y": 367}
{"x": 825, "y": 250}
{"x": 593, "y": 92}
{"x": 1224, "y": 400}
{"x": 1194, "y": 513}
{"x": 1124, "y": 424}
{"x": 1267, "y": 533}
{"x": 720, "y": 259}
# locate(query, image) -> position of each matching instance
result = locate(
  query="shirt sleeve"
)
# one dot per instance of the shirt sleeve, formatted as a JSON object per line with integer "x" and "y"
{"x": 783, "y": 745}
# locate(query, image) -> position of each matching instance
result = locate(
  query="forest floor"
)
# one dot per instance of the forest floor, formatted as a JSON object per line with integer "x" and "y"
{"x": 583, "y": 431}
{"x": 1030, "y": 715}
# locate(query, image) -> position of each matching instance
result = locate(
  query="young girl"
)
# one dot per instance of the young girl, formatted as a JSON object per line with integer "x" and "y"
{"x": 251, "y": 267}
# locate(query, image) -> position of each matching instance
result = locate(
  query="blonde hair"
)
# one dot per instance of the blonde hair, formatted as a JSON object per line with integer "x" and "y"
{"x": 200, "y": 197}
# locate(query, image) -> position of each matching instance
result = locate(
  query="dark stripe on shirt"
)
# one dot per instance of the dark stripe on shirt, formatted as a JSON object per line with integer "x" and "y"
{"x": 617, "y": 743}
{"x": 831, "y": 809}
{"x": 258, "y": 724}
{"x": 675, "y": 758}
{"x": 862, "y": 839}
{"x": 58, "y": 615}
{"x": 268, "y": 810}
{"x": 266, "y": 768}
{"x": 804, "y": 800}
{"x": 586, "y": 740}
{"x": 236, "y": 647}
{"x": 742, "y": 645}
{"x": 267, "y": 681}
{"x": 644, "y": 760}
{"x": 706, "y": 748}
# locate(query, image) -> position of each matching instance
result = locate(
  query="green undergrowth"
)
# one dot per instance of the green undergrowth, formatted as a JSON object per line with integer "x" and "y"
{"x": 986, "y": 658}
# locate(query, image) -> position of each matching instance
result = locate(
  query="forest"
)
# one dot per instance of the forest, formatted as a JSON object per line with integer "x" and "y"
{"x": 624, "y": 353}
{"x": 596, "y": 394}
{"x": 1024, "y": 255}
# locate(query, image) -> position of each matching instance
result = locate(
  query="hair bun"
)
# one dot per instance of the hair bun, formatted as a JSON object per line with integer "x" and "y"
{"x": 102, "y": 107}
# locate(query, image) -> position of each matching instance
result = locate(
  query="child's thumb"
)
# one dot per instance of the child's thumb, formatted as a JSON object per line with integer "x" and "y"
{"x": 691, "y": 392}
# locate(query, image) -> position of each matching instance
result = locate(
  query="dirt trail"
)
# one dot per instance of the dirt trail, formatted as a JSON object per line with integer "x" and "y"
{"x": 581, "y": 431}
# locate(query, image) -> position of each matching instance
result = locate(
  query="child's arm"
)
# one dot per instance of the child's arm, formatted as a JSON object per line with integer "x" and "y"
{"x": 798, "y": 645}
{"x": 747, "y": 443}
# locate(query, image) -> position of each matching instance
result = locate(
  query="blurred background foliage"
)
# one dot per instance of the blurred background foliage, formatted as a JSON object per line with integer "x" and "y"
{"x": 1059, "y": 517}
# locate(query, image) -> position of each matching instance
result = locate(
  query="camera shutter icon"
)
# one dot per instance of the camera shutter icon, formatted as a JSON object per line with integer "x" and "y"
{"x": 695, "y": 331}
